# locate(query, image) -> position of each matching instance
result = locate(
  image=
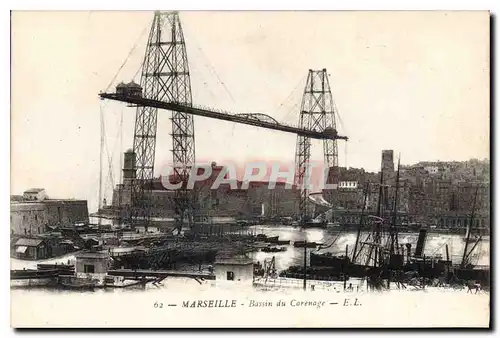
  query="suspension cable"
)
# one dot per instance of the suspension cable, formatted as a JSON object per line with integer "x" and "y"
{"x": 290, "y": 111}
{"x": 126, "y": 59}
{"x": 202, "y": 78}
{"x": 208, "y": 64}
{"x": 345, "y": 154}
{"x": 109, "y": 158}
{"x": 138, "y": 69}
{"x": 336, "y": 112}
{"x": 291, "y": 93}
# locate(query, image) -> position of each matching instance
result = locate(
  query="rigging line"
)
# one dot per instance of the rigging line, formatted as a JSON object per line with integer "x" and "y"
{"x": 202, "y": 78}
{"x": 138, "y": 69}
{"x": 119, "y": 134}
{"x": 128, "y": 56}
{"x": 110, "y": 180}
{"x": 439, "y": 247}
{"x": 121, "y": 145}
{"x": 339, "y": 117}
{"x": 220, "y": 81}
{"x": 291, "y": 93}
{"x": 211, "y": 68}
{"x": 119, "y": 137}
{"x": 332, "y": 243}
{"x": 109, "y": 158}
{"x": 101, "y": 144}
{"x": 345, "y": 154}
{"x": 290, "y": 111}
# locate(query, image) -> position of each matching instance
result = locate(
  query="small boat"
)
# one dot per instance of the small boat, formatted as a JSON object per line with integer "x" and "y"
{"x": 301, "y": 244}
{"x": 315, "y": 224}
{"x": 274, "y": 249}
{"x": 282, "y": 242}
{"x": 260, "y": 245}
{"x": 273, "y": 239}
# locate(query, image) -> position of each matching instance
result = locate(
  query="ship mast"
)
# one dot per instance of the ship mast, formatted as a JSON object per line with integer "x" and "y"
{"x": 101, "y": 150}
{"x": 361, "y": 218}
{"x": 377, "y": 226}
{"x": 120, "y": 181}
{"x": 467, "y": 254}
{"x": 394, "y": 233}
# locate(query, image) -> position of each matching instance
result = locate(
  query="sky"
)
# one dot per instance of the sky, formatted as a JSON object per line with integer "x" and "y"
{"x": 415, "y": 82}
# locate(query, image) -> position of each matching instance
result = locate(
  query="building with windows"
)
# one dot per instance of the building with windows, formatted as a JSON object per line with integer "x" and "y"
{"x": 35, "y": 213}
{"x": 233, "y": 269}
{"x": 227, "y": 200}
{"x": 92, "y": 265}
{"x": 31, "y": 249}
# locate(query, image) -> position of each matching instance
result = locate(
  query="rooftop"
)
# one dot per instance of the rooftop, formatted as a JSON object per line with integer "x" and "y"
{"x": 233, "y": 260}
{"x": 34, "y": 190}
{"x": 29, "y": 242}
{"x": 90, "y": 254}
{"x": 16, "y": 200}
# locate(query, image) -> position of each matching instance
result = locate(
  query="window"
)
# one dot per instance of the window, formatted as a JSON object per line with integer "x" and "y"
{"x": 24, "y": 217}
{"x": 88, "y": 268}
{"x": 36, "y": 217}
{"x": 230, "y": 275}
{"x": 25, "y": 232}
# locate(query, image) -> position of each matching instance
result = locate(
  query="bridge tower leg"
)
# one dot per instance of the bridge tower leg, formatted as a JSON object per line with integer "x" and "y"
{"x": 165, "y": 77}
{"x": 317, "y": 113}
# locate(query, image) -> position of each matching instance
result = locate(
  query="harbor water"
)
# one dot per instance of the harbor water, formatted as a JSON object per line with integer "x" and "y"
{"x": 434, "y": 245}
{"x": 99, "y": 307}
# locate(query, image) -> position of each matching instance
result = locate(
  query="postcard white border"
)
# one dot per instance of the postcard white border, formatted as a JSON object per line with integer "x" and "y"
{"x": 198, "y": 5}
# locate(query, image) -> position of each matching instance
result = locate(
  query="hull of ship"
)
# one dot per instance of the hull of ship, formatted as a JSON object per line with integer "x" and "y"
{"x": 328, "y": 261}
{"x": 340, "y": 265}
{"x": 426, "y": 269}
{"x": 310, "y": 245}
{"x": 272, "y": 240}
{"x": 480, "y": 275}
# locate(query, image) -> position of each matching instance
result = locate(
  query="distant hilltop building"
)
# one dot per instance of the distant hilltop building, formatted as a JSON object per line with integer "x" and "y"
{"x": 348, "y": 184}
{"x": 432, "y": 169}
{"x": 35, "y": 213}
{"x": 434, "y": 192}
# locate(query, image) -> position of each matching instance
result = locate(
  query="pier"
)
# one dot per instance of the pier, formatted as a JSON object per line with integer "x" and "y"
{"x": 160, "y": 274}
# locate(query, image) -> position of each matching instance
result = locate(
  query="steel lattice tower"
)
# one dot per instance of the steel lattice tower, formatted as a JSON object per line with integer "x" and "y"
{"x": 165, "y": 77}
{"x": 317, "y": 113}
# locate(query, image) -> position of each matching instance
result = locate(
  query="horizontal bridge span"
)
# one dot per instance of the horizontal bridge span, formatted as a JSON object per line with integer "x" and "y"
{"x": 236, "y": 118}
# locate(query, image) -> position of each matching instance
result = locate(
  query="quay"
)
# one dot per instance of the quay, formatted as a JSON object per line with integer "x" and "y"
{"x": 141, "y": 273}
